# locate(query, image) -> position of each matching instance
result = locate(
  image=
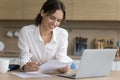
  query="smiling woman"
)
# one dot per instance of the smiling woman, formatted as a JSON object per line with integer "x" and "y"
{"x": 45, "y": 40}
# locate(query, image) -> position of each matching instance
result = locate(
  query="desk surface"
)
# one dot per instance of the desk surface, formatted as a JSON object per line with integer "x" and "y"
{"x": 114, "y": 75}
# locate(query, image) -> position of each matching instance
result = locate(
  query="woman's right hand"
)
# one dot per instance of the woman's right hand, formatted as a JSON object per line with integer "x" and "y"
{"x": 31, "y": 66}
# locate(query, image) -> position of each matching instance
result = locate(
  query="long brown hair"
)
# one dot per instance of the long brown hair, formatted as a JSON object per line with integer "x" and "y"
{"x": 50, "y": 7}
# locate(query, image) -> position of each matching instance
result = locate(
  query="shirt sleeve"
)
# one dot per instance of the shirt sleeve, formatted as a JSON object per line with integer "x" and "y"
{"x": 24, "y": 49}
{"x": 62, "y": 49}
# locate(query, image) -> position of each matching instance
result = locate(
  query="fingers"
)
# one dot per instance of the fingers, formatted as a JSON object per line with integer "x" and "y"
{"x": 63, "y": 69}
{"x": 31, "y": 66}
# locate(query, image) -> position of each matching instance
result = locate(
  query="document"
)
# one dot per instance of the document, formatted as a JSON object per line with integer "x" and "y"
{"x": 52, "y": 66}
{"x": 48, "y": 67}
{"x": 29, "y": 75}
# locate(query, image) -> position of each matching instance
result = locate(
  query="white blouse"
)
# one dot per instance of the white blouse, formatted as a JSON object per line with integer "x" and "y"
{"x": 32, "y": 47}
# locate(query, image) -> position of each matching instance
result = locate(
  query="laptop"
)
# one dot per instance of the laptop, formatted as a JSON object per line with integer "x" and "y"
{"x": 94, "y": 63}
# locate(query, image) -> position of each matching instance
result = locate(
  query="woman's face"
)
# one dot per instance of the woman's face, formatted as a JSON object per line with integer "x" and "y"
{"x": 52, "y": 21}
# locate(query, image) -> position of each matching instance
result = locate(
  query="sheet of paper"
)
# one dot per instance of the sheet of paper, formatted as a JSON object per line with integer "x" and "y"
{"x": 52, "y": 66}
{"x": 48, "y": 67}
{"x": 30, "y": 74}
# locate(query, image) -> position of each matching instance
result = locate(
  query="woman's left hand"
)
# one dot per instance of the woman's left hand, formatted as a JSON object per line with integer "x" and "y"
{"x": 63, "y": 69}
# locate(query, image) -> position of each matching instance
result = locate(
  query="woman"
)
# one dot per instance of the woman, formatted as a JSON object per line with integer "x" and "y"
{"x": 45, "y": 40}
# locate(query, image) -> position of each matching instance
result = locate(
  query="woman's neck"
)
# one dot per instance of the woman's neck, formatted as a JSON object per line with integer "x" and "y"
{"x": 44, "y": 32}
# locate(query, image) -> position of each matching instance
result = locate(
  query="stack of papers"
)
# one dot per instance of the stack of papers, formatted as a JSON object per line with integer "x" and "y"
{"x": 48, "y": 67}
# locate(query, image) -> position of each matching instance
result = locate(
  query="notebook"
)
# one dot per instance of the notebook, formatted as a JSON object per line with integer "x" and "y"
{"x": 94, "y": 63}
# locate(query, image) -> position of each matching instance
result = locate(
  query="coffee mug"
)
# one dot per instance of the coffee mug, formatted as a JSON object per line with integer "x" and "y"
{"x": 4, "y": 65}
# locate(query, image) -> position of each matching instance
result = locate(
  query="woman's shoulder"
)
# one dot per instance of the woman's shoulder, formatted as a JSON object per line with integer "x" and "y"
{"x": 28, "y": 27}
{"x": 61, "y": 31}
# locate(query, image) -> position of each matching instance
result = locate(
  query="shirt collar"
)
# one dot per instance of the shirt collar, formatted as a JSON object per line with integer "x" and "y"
{"x": 37, "y": 33}
{"x": 54, "y": 35}
{"x": 38, "y": 36}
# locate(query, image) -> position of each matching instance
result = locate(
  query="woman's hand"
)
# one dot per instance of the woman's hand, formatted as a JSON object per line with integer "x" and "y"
{"x": 64, "y": 69}
{"x": 31, "y": 66}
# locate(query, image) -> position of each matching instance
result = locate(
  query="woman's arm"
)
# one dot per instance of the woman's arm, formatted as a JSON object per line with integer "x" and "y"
{"x": 62, "y": 52}
{"x": 23, "y": 47}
